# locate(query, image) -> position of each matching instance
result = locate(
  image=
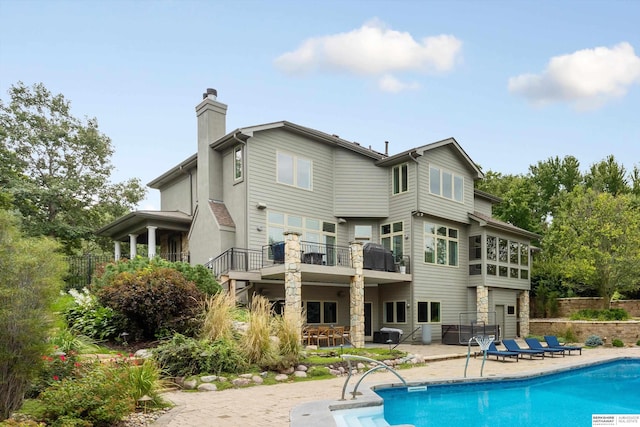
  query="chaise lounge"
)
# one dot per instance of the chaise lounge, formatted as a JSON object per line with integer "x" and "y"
{"x": 534, "y": 344}
{"x": 493, "y": 351}
{"x": 552, "y": 342}
{"x": 512, "y": 345}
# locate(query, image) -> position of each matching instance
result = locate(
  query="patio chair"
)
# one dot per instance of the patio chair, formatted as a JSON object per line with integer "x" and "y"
{"x": 552, "y": 342}
{"x": 534, "y": 344}
{"x": 493, "y": 351}
{"x": 323, "y": 335}
{"x": 512, "y": 345}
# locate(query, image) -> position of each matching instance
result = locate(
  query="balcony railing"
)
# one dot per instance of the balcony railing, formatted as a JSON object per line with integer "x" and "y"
{"x": 235, "y": 259}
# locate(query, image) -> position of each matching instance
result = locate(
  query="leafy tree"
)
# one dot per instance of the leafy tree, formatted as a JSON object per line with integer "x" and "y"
{"x": 594, "y": 243}
{"x": 608, "y": 176}
{"x": 30, "y": 275}
{"x": 553, "y": 178}
{"x": 60, "y": 168}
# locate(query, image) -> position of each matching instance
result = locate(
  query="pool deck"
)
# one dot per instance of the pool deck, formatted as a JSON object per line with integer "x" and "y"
{"x": 268, "y": 406}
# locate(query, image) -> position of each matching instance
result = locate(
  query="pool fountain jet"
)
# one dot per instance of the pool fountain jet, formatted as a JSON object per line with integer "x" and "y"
{"x": 484, "y": 341}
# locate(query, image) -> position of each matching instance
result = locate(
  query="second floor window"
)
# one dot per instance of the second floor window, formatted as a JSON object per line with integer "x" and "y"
{"x": 446, "y": 184}
{"x": 400, "y": 179}
{"x": 440, "y": 245}
{"x": 237, "y": 163}
{"x": 294, "y": 170}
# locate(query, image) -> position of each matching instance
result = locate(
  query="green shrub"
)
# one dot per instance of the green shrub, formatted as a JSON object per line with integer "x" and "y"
{"x": 153, "y": 300}
{"x": 318, "y": 371}
{"x": 570, "y": 336}
{"x": 617, "y": 343}
{"x": 256, "y": 343}
{"x": 144, "y": 380}
{"x": 593, "y": 341}
{"x": 198, "y": 274}
{"x": 184, "y": 356}
{"x": 55, "y": 367}
{"x": 638, "y": 342}
{"x": 610, "y": 314}
{"x": 87, "y": 317}
{"x": 218, "y": 317}
{"x": 102, "y": 397}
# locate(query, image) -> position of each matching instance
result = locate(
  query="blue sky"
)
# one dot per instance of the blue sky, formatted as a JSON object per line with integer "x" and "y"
{"x": 515, "y": 82}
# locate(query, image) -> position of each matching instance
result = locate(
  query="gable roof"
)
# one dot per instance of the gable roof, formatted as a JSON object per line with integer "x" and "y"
{"x": 137, "y": 221}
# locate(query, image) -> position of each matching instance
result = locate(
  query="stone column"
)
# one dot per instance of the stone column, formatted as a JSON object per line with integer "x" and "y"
{"x": 117, "y": 251}
{"x": 523, "y": 304}
{"x": 482, "y": 303}
{"x": 133, "y": 242}
{"x": 356, "y": 293}
{"x": 293, "y": 280}
{"x": 151, "y": 241}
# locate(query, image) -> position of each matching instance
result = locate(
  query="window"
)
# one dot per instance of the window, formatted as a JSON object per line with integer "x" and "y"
{"x": 321, "y": 311}
{"x": 491, "y": 248}
{"x": 312, "y": 229}
{"x": 441, "y": 245}
{"x": 400, "y": 179}
{"x": 513, "y": 272}
{"x": 514, "y": 252}
{"x": 524, "y": 254}
{"x": 502, "y": 270}
{"x": 363, "y": 233}
{"x": 237, "y": 163}
{"x": 392, "y": 238}
{"x": 293, "y": 170}
{"x": 395, "y": 311}
{"x": 503, "y": 250}
{"x": 511, "y": 310}
{"x": 475, "y": 248}
{"x": 428, "y": 312}
{"x": 446, "y": 184}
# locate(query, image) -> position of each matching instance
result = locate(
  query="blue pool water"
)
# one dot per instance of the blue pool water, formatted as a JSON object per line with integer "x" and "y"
{"x": 562, "y": 399}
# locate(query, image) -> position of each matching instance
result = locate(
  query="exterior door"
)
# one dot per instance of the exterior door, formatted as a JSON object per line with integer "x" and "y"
{"x": 368, "y": 335}
{"x": 500, "y": 320}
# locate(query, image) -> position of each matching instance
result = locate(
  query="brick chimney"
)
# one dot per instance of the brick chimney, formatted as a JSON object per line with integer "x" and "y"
{"x": 212, "y": 118}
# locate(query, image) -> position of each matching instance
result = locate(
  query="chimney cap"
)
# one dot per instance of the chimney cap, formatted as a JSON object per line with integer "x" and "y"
{"x": 210, "y": 93}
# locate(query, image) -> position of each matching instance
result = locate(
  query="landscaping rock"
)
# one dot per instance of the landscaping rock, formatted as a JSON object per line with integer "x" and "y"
{"x": 143, "y": 353}
{"x": 245, "y": 376}
{"x": 360, "y": 366}
{"x": 189, "y": 384}
{"x": 341, "y": 369}
{"x": 207, "y": 387}
{"x": 302, "y": 368}
{"x": 240, "y": 382}
{"x": 300, "y": 374}
{"x": 208, "y": 378}
{"x": 334, "y": 372}
{"x": 223, "y": 379}
{"x": 257, "y": 379}
{"x": 282, "y": 377}
{"x": 288, "y": 371}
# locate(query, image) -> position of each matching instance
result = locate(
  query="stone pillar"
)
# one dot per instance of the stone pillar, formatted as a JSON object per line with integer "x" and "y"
{"x": 523, "y": 304}
{"x": 133, "y": 242}
{"x": 356, "y": 293}
{"x": 293, "y": 280}
{"x": 151, "y": 241}
{"x": 482, "y": 304}
{"x": 117, "y": 251}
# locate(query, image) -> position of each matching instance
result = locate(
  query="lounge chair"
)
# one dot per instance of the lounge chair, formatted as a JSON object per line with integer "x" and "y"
{"x": 493, "y": 351}
{"x": 552, "y": 342}
{"x": 512, "y": 345}
{"x": 534, "y": 344}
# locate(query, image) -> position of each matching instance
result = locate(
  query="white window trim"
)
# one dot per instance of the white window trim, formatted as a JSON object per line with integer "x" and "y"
{"x": 295, "y": 171}
{"x": 400, "y": 181}
{"x": 447, "y": 238}
{"x": 429, "y": 302}
{"x": 395, "y": 312}
{"x": 235, "y": 150}
{"x": 453, "y": 181}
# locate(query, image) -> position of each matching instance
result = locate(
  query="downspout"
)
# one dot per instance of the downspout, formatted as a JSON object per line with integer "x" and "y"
{"x": 411, "y": 285}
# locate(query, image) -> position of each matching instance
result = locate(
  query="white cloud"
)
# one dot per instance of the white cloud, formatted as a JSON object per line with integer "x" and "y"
{"x": 586, "y": 78}
{"x": 373, "y": 50}
{"x": 388, "y": 83}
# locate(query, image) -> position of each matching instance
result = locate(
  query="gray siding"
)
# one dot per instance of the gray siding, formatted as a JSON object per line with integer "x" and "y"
{"x": 205, "y": 240}
{"x": 445, "y": 158}
{"x": 482, "y": 205}
{"x": 262, "y": 187}
{"x": 360, "y": 188}
{"x": 235, "y": 198}
{"x": 506, "y": 298}
{"x": 175, "y": 196}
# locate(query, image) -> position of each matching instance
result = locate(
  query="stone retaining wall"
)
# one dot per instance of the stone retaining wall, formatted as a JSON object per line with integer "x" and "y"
{"x": 568, "y": 306}
{"x": 628, "y": 332}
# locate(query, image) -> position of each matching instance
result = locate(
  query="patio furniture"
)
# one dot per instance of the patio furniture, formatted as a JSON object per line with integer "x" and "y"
{"x": 323, "y": 335}
{"x": 534, "y": 344}
{"x": 552, "y": 342}
{"x": 493, "y": 351}
{"x": 512, "y": 345}
{"x": 337, "y": 334}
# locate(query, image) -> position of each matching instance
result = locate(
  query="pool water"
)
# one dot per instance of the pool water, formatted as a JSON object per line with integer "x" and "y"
{"x": 567, "y": 398}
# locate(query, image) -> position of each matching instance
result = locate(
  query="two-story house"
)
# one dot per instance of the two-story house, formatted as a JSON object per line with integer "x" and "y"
{"x": 371, "y": 240}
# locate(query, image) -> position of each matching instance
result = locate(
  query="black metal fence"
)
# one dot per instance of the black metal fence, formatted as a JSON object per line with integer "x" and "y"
{"x": 82, "y": 267}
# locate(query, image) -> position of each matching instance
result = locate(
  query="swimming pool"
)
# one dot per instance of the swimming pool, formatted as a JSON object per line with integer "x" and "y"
{"x": 567, "y": 398}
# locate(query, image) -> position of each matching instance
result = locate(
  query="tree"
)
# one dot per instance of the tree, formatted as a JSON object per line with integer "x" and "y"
{"x": 30, "y": 276}
{"x": 60, "y": 168}
{"x": 594, "y": 243}
{"x": 608, "y": 176}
